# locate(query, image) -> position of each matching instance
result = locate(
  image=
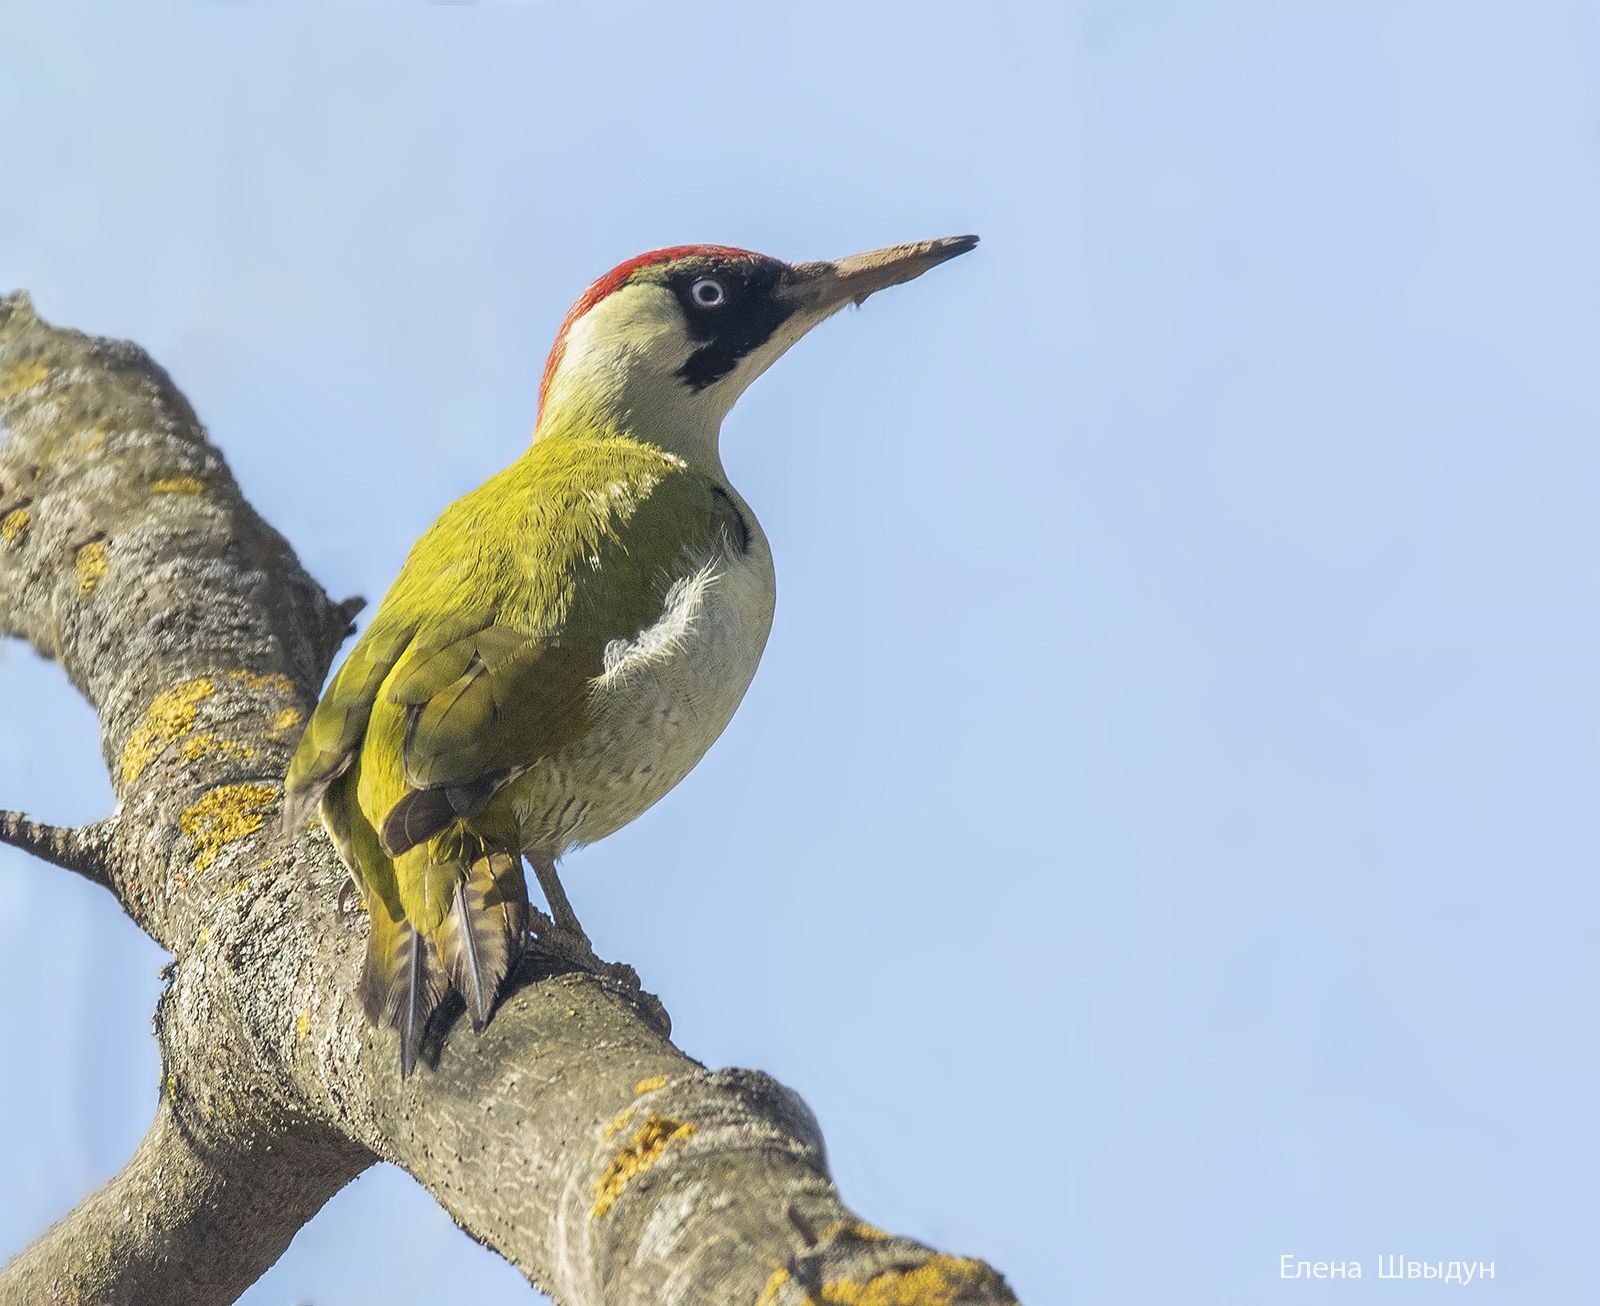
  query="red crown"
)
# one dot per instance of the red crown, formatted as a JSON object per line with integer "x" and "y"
{"x": 615, "y": 280}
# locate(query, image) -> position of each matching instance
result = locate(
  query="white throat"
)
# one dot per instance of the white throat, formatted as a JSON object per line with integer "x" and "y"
{"x": 619, "y": 370}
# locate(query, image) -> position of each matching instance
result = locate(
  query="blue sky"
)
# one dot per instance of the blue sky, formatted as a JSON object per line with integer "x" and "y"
{"x": 1161, "y": 834}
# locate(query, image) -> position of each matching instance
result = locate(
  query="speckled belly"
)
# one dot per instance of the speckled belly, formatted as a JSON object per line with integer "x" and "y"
{"x": 665, "y": 697}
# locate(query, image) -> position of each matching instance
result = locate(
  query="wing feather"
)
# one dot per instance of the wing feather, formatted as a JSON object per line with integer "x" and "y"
{"x": 333, "y": 736}
{"x": 480, "y": 662}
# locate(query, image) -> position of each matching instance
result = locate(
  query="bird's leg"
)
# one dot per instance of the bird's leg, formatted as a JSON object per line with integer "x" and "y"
{"x": 560, "y": 909}
{"x": 572, "y": 942}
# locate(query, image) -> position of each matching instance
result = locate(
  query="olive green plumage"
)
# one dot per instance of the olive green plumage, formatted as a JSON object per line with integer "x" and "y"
{"x": 566, "y": 642}
{"x": 485, "y": 656}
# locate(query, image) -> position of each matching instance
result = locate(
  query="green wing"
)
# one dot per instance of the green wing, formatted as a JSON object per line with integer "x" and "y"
{"x": 333, "y": 736}
{"x": 479, "y": 662}
{"x": 489, "y": 639}
{"x": 477, "y": 713}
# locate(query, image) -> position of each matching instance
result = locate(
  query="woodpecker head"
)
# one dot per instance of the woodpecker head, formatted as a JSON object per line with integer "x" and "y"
{"x": 665, "y": 343}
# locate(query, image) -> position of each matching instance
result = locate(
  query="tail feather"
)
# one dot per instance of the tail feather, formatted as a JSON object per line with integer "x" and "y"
{"x": 467, "y": 963}
{"x": 386, "y": 946}
{"x": 402, "y": 982}
{"x": 419, "y": 1004}
{"x": 472, "y": 948}
{"x": 482, "y": 936}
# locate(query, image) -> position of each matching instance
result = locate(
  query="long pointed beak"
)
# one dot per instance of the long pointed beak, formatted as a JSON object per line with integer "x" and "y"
{"x": 821, "y": 288}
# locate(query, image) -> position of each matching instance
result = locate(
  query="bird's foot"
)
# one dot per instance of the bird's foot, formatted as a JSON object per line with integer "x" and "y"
{"x": 348, "y": 891}
{"x": 572, "y": 947}
{"x": 570, "y": 944}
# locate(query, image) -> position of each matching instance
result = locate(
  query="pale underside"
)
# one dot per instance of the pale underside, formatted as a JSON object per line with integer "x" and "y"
{"x": 662, "y": 701}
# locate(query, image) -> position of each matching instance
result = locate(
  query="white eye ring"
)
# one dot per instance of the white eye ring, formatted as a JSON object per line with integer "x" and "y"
{"x": 707, "y": 293}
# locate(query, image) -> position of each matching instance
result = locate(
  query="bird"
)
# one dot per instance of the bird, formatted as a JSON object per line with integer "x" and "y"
{"x": 567, "y": 640}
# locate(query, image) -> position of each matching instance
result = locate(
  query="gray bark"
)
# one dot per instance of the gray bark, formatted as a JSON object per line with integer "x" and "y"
{"x": 572, "y": 1136}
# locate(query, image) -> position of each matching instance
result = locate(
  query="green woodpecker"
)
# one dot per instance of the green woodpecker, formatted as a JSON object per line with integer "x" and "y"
{"x": 567, "y": 640}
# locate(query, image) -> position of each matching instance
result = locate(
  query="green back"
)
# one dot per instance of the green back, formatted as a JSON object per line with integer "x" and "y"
{"x": 479, "y": 660}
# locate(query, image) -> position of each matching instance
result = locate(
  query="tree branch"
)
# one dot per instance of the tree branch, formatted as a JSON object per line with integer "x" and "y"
{"x": 571, "y": 1136}
{"x": 183, "y": 1221}
{"x": 86, "y": 849}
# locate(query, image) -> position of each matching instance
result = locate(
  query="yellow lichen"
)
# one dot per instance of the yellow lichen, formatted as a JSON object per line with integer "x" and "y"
{"x": 621, "y": 1122}
{"x": 637, "y": 1155}
{"x": 651, "y": 1084}
{"x": 207, "y": 745}
{"x": 169, "y": 717}
{"x": 225, "y": 815}
{"x": 842, "y": 1292}
{"x": 92, "y": 438}
{"x": 92, "y": 564}
{"x": 13, "y": 524}
{"x": 286, "y": 718}
{"x": 940, "y": 1281}
{"x": 261, "y": 680}
{"x": 22, "y": 376}
{"x": 769, "y": 1294}
{"x": 178, "y": 485}
{"x": 855, "y": 1229}
{"x": 302, "y": 1024}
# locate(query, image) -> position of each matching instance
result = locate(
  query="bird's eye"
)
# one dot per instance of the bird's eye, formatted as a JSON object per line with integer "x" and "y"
{"x": 707, "y": 293}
